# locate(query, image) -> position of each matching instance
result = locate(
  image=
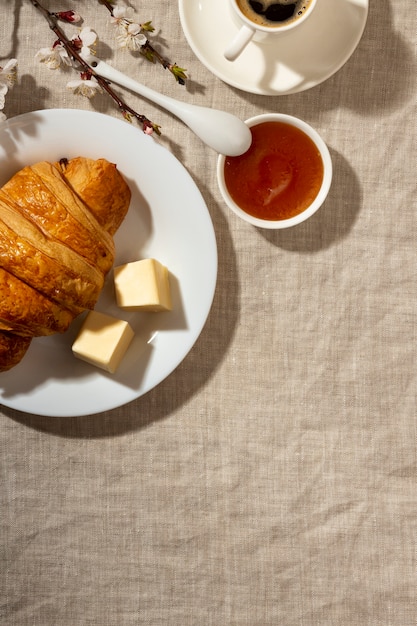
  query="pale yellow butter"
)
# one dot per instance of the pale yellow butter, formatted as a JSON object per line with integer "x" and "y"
{"x": 102, "y": 341}
{"x": 143, "y": 286}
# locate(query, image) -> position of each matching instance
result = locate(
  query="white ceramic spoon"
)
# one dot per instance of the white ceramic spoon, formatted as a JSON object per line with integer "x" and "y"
{"x": 222, "y": 131}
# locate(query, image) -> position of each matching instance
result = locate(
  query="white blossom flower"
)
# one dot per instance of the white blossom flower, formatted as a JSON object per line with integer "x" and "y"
{"x": 129, "y": 33}
{"x": 8, "y": 73}
{"x": 7, "y": 78}
{"x": 122, "y": 14}
{"x": 53, "y": 57}
{"x": 3, "y": 90}
{"x": 85, "y": 40}
{"x": 84, "y": 87}
{"x": 131, "y": 37}
{"x": 88, "y": 36}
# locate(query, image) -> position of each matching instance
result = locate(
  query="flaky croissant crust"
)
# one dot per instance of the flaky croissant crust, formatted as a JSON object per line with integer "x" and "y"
{"x": 57, "y": 222}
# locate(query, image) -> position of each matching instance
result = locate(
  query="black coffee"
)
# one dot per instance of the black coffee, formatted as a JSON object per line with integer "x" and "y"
{"x": 273, "y": 12}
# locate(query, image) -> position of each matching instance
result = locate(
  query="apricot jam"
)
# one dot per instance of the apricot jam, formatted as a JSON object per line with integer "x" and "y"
{"x": 279, "y": 176}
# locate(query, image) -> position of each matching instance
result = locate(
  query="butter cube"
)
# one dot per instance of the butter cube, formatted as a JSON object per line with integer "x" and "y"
{"x": 143, "y": 286}
{"x": 102, "y": 341}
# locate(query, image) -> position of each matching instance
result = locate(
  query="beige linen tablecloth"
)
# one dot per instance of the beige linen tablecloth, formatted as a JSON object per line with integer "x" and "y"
{"x": 271, "y": 479}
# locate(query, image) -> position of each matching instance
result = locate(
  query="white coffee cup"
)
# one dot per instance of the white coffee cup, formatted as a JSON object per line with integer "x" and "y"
{"x": 250, "y": 30}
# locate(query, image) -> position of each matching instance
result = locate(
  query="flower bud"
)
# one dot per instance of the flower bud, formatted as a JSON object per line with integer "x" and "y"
{"x": 68, "y": 16}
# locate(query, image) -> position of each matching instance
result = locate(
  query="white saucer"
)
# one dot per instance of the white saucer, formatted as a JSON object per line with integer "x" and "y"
{"x": 297, "y": 61}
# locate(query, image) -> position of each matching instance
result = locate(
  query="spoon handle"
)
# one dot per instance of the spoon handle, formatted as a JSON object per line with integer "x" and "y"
{"x": 220, "y": 130}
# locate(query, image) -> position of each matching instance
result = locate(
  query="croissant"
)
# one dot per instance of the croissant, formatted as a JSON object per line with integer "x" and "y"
{"x": 57, "y": 222}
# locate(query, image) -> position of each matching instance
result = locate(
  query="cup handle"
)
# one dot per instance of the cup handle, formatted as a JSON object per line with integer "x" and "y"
{"x": 239, "y": 43}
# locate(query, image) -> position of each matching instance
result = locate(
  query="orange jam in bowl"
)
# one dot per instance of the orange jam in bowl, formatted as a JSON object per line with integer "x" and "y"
{"x": 284, "y": 176}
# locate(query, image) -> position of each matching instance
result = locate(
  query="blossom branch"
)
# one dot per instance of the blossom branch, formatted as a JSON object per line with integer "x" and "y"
{"x": 7, "y": 78}
{"x": 87, "y": 71}
{"x": 133, "y": 33}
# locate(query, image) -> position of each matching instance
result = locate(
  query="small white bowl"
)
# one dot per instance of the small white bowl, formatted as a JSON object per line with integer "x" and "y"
{"x": 319, "y": 199}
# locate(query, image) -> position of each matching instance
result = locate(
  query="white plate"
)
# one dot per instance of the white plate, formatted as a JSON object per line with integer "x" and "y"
{"x": 168, "y": 220}
{"x": 300, "y": 59}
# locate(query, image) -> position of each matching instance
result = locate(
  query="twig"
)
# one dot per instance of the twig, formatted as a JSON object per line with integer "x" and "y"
{"x": 125, "y": 109}
{"x": 107, "y": 5}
